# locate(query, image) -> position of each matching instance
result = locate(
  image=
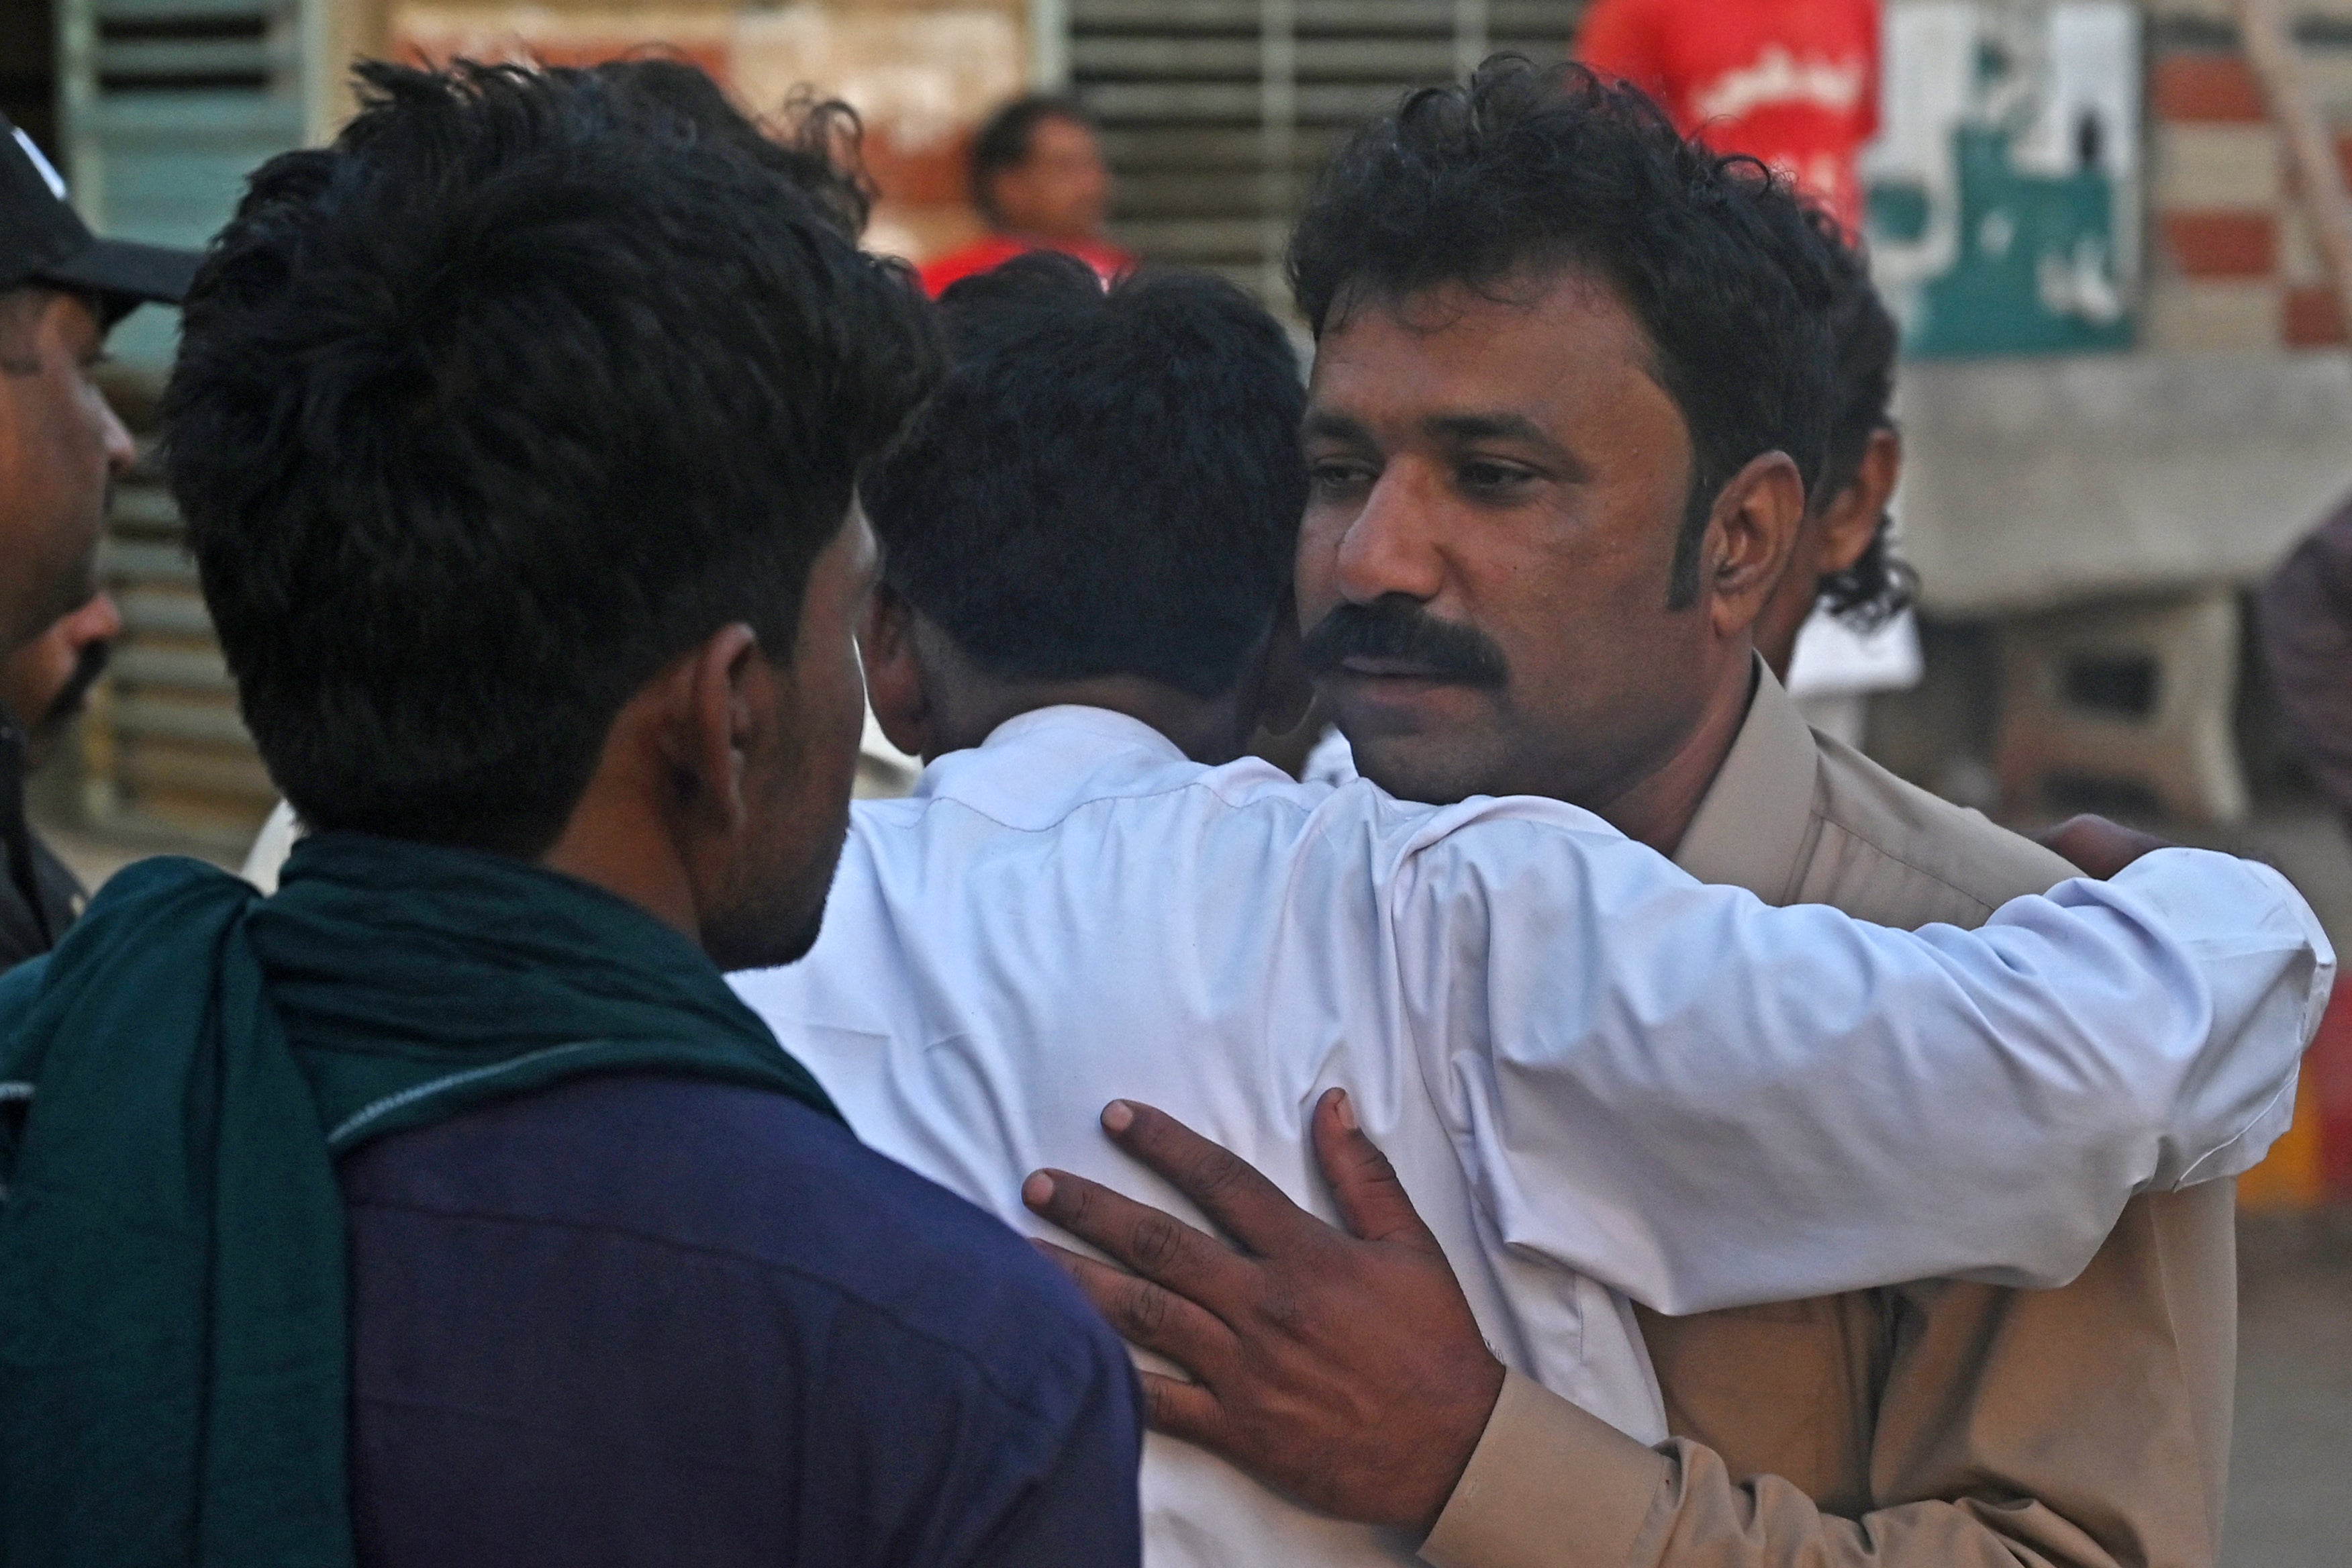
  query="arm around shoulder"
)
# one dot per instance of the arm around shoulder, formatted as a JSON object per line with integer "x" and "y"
{"x": 1753, "y": 1104}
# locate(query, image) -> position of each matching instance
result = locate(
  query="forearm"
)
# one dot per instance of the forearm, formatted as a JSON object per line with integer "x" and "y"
{"x": 1705, "y": 1519}
{"x": 1773, "y": 1104}
{"x": 1551, "y": 1487}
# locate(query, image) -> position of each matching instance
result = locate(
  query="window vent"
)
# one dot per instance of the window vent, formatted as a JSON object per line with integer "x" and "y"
{"x": 1216, "y": 114}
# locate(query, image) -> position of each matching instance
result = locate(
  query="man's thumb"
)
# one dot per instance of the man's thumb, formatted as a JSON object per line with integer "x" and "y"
{"x": 1372, "y": 1202}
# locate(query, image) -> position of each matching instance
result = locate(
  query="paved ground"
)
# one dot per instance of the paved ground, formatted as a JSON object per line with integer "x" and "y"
{"x": 2291, "y": 1469}
{"x": 2291, "y": 1476}
{"x": 2291, "y": 1482}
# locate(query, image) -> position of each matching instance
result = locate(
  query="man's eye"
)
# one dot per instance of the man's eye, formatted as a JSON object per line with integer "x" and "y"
{"x": 1332, "y": 477}
{"x": 1493, "y": 476}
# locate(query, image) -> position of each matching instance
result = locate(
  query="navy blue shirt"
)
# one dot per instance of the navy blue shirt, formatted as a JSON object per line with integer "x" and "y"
{"x": 648, "y": 1319}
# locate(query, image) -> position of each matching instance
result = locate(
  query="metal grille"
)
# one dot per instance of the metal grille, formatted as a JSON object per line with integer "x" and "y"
{"x": 164, "y": 753}
{"x": 164, "y": 107}
{"x": 1217, "y": 113}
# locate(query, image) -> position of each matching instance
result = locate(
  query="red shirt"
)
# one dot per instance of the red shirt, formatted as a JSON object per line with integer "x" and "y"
{"x": 994, "y": 251}
{"x": 1793, "y": 82}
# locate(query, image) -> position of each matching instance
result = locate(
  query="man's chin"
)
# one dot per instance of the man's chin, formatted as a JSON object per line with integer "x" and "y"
{"x": 762, "y": 944}
{"x": 1436, "y": 768}
{"x": 1417, "y": 740}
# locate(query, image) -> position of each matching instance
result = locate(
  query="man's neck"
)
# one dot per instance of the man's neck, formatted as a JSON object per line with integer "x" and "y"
{"x": 1657, "y": 810}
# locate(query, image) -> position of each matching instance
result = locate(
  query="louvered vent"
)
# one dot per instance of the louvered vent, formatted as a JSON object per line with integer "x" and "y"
{"x": 1217, "y": 113}
{"x": 165, "y": 106}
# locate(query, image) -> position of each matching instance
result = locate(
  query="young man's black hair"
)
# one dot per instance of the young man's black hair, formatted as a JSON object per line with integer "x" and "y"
{"x": 1002, "y": 141}
{"x": 1107, "y": 482}
{"x": 482, "y": 580}
{"x": 816, "y": 143}
{"x": 1524, "y": 171}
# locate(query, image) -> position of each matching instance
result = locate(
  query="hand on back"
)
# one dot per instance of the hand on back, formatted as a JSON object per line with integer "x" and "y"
{"x": 1341, "y": 1366}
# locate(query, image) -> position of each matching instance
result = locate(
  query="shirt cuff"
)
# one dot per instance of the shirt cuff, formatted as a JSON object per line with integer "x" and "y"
{"x": 1549, "y": 1487}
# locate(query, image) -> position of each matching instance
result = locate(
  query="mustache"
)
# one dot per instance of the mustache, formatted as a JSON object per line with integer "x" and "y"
{"x": 1397, "y": 627}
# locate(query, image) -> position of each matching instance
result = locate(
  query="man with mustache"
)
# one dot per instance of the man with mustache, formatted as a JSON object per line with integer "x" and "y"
{"x": 43, "y": 686}
{"x": 1939, "y": 1424}
{"x": 1088, "y": 537}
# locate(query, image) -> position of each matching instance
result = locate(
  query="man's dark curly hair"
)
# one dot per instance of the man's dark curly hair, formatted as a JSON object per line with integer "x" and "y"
{"x": 1526, "y": 170}
{"x": 524, "y": 386}
{"x": 1863, "y": 340}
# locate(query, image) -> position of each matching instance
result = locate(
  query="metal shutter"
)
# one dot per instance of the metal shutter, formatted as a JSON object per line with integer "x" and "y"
{"x": 164, "y": 107}
{"x": 1217, "y": 113}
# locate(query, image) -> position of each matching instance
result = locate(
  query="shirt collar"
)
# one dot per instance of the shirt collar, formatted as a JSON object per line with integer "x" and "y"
{"x": 1752, "y": 824}
{"x": 1036, "y": 767}
{"x": 1097, "y": 730}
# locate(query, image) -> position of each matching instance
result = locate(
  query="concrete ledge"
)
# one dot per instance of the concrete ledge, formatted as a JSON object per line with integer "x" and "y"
{"x": 2030, "y": 483}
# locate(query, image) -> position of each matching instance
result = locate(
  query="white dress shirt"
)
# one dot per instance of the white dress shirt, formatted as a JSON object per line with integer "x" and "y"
{"x": 1594, "y": 1074}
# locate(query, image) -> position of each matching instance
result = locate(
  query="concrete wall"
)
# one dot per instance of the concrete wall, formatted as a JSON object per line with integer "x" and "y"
{"x": 2028, "y": 483}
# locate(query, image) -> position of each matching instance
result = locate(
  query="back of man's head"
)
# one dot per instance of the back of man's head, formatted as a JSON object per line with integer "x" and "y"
{"x": 1522, "y": 172}
{"x": 486, "y": 413}
{"x": 1108, "y": 483}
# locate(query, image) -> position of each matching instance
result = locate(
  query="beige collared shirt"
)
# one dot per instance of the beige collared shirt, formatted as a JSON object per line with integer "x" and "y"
{"x": 1940, "y": 1425}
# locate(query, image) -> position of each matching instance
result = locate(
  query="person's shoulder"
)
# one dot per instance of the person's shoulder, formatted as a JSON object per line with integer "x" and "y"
{"x": 687, "y": 1167}
{"x": 1895, "y": 853}
{"x": 1354, "y": 828}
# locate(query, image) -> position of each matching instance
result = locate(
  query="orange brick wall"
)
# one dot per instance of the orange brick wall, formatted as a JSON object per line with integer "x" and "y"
{"x": 2234, "y": 266}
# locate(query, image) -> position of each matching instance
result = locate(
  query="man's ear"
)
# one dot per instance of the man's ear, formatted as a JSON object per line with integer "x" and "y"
{"x": 1287, "y": 690}
{"x": 1856, "y": 512}
{"x": 722, "y": 702}
{"x": 1754, "y": 527}
{"x": 895, "y": 683}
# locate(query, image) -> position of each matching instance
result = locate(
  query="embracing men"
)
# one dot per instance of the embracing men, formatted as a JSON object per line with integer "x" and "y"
{"x": 1570, "y": 389}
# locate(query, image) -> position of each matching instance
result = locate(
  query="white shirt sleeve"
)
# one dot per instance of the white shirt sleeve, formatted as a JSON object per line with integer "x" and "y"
{"x": 1706, "y": 1101}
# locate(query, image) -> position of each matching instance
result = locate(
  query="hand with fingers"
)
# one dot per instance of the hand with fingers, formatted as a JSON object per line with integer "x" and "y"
{"x": 2098, "y": 848}
{"x": 1343, "y": 1367}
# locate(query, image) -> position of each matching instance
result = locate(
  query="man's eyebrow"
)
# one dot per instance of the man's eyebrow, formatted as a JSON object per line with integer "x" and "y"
{"x": 1327, "y": 425}
{"x": 1504, "y": 426}
{"x": 1332, "y": 426}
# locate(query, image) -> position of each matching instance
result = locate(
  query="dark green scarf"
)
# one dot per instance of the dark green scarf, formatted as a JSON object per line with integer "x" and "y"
{"x": 172, "y": 1326}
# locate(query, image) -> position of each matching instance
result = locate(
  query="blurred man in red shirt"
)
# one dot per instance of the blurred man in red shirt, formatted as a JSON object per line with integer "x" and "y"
{"x": 1039, "y": 179}
{"x": 1792, "y": 82}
